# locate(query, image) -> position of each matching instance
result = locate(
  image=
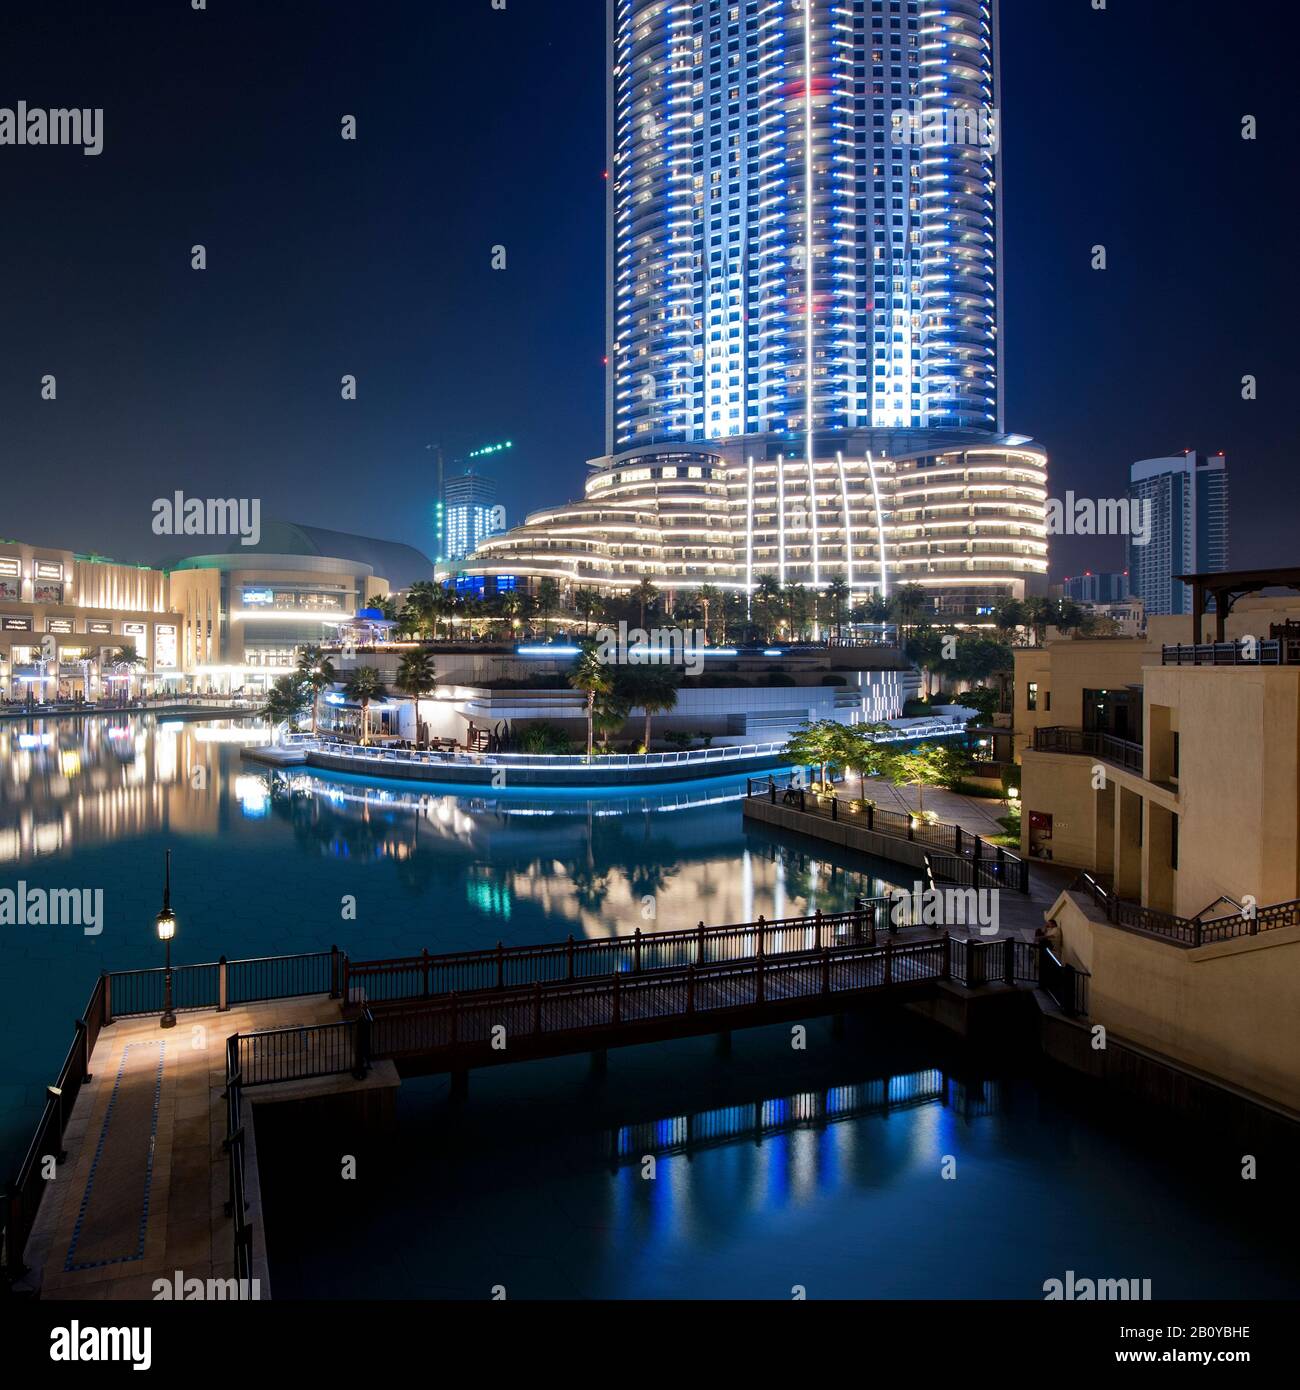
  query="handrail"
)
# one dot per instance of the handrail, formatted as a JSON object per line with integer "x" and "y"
{"x": 24, "y": 1192}
{"x": 505, "y": 967}
{"x": 974, "y": 860}
{"x": 1125, "y": 753}
{"x": 1186, "y": 931}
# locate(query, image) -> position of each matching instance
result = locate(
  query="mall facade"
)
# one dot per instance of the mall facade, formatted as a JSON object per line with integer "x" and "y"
{"x": 64, "y": 618}
{"x": 216, "y": 624}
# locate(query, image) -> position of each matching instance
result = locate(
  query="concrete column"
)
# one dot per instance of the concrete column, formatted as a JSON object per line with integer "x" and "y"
{"x": 1128, "y": 845}
{"x": 1104, "y": 842}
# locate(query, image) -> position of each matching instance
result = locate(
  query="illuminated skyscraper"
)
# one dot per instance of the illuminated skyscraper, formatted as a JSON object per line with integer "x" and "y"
{"x": 471, "y": 511}
{"x": 1186, "y": 502}
{"x": 803, "y": 309}
{"x": 803, "y": 217}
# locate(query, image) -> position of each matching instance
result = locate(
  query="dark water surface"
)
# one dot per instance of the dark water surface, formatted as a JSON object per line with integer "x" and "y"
{"x": 822, "y": 1169}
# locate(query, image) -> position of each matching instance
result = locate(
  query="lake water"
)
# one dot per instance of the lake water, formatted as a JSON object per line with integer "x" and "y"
{"x": 772, "y": 1168}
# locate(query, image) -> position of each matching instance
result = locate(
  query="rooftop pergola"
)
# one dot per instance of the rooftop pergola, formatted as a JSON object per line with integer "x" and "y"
{"x": 1227, "y": 587}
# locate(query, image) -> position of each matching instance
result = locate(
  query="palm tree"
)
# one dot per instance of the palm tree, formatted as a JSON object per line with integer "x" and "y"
{"x": 646, "y": 596}
{"x": 1037, "y": 616}
{"x": 285, "y": 703}
{"x": 838, "y": 593}
{"x": 799, "y": 608}
{"x": 586, "y": 601}
{"x": 513, "y": 607}
{"x": 316, "y": 671}
{"x": 767, "y": 598}
{"x": 591, "y": 676}
{"x": 710, "y": 602}
{"x": 417, "y": 677}
{"x": 127, "y": 659}
{"x": 423, "y": 603}
{"x": 361, "y": 687}
{"x": 1009, "y": 616}
{"x": 650, "y": 688}
{"x": 909, "y": 604}
{"x": 548, "y": 600}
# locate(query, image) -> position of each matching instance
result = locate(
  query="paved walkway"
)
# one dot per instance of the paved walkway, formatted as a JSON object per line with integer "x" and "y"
{"x": 978, "y": 814}
{"x": 1021, "y": 916}
{"x": 142, "y": 1193}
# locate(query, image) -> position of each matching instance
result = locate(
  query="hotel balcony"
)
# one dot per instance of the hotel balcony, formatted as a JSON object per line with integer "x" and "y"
{"x": 1106, "y": 747}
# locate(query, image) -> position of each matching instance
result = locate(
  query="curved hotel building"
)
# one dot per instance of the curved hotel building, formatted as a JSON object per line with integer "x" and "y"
{"x": 803, "y": 311}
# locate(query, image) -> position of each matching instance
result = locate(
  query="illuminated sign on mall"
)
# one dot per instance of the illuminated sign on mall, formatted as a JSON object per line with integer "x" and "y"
{"x": 45, "y": 570}
{"x": 164, "y": 648}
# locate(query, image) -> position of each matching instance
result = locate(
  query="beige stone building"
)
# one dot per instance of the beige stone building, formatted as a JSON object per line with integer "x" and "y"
{"x": 1163, "y": 768}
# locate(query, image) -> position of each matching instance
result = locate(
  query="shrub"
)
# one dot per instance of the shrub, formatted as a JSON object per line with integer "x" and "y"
{"x": 544, "y": 737}
{"x": 780, "y": 678}
{"x": 834, "y": 680}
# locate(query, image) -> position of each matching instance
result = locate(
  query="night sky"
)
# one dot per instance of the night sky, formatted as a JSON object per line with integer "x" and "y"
{"x": 477, "y": 127}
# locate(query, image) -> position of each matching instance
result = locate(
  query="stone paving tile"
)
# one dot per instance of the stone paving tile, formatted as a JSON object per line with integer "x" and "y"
{"x": 186, "y": 1227}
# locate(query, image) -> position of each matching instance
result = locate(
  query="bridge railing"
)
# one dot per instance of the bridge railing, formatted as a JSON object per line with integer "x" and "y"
{"x": 511, "y": 967}
{"x": 298, "y": 1054}
{"x": 23, "y": 1194}
{"x": 222, "y": 984}
{"x": 622, "y": 1002}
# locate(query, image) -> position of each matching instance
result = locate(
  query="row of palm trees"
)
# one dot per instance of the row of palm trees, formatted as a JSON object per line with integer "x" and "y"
{"x": 775, "y": 610}
{"x": 614, "y": 691}
{"x": 293, "y": 695}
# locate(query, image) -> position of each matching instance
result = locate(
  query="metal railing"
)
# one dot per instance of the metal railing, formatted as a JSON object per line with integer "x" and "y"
{"x": 1185, "y": 931}
{"x": 132, "y": 993}
{"x": 459, "y": 1030}
{"x": 1120, "y": 751}
{"x": 1067, "y": 984}
{"x": 23, "y": 1194}
{"x": 557, "y": 761}
{"x": 299, "y": 1054}
{"x": 222, "y": 984}
{"x": 428, "y": 976}
{"x": 990, "y": 866}
{"x": 1284, "y": 651}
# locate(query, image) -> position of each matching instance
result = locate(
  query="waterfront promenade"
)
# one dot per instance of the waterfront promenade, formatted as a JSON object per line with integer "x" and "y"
{"x": 155, "y": 1152}
{"x": 143, "y": 1189}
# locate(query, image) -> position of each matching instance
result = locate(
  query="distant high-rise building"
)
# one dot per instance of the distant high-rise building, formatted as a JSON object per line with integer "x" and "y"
{"x": 1187, "y": 496}
{"x": 472, "y": 513}
{"x": 1096, "y": 588}
{"x": 805, "y": 354}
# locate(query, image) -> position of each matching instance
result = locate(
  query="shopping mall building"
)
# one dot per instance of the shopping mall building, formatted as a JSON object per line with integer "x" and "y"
{"x": 211, "y": 623}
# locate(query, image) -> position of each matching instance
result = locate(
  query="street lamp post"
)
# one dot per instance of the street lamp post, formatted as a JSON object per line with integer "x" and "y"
{"x": 166, "y": 922}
